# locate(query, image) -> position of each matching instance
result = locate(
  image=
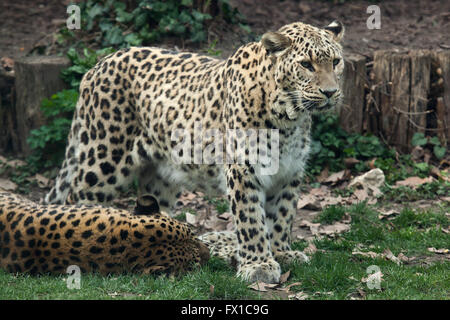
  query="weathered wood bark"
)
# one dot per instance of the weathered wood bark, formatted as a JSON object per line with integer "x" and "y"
{"x": 402, "y": 83}
{"x": 443, "y": 105}
{"x": 354, "y": 81}
{"x": 36, "y": 78}
{"x": 441, "y": 124}
{"x": 7, "y": 113}
{"x": 420, "y": 89}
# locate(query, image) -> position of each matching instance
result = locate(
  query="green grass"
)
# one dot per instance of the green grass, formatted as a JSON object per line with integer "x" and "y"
{"x": 333, "y": 273}
{"x": 331, "y": 214}
{"x": 195, "y": 285}
{"x": 220, "y": 204}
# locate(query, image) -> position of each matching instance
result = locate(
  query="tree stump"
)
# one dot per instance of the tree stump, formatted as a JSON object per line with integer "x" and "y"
{"x": 7, "y": 112}
{"x": 442, "y": 60}
{"x": 36, "y": 78}
{"x": 402, "y": 82}
{"x": 353, "y": 87}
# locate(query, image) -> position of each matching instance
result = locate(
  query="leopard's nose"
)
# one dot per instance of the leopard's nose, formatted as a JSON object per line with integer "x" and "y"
{"x": 328, "y": 93}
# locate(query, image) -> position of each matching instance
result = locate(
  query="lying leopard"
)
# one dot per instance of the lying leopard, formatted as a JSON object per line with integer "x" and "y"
{"x": 138, "y": 105}
{"x": 49, "y": 238}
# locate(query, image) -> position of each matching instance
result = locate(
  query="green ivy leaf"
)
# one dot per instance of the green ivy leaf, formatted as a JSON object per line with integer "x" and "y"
{"x": 95, "y": 11}
{"x": 133, "y": 39}
{"x": 435, "y": 141}
{"x": 123, "y": 17}
{"x": 439, "y": 151}
{"x": 419, "y": 139}
{"x": 186, "y": 3}
{"x": 114, "y": 36}
{"x": 140, "y": 20}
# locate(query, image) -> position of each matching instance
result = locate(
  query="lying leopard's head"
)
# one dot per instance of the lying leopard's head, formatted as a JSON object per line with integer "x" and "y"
{"x": 308, "y": 66}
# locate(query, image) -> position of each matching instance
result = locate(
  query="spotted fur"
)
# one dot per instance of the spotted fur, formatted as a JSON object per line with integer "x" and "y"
{"x": 49, "y": 238}
{"x": 133, "y": 102}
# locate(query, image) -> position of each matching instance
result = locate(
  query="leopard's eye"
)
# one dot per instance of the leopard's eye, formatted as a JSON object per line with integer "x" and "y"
{"x": 336, "y": 62}
{"x": 307, "y": 65}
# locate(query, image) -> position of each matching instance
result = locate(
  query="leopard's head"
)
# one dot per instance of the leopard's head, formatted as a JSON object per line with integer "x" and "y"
{"x": 308, "y": 64}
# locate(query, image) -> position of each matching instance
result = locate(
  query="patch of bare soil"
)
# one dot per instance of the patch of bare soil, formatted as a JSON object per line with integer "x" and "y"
{"x": 24, "y": 23}
{"x": 418, "y": 24}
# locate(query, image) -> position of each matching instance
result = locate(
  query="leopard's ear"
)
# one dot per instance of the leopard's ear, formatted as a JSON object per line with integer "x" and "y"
{"x": 146, "y": 205}
{"x": 337, "y": 30}
{"x": 275, "y": 43}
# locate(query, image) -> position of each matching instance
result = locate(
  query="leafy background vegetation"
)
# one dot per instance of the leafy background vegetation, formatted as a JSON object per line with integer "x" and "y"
{"x": 134, "y": 23}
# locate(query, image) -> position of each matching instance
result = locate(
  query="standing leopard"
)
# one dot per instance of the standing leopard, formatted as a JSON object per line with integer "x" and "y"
{"x": 134, "y": 103}
{"x": 49, "y": 238}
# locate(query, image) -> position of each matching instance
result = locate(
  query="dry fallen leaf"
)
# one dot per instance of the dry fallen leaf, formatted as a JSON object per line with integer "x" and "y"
{"x": 329, "y": 201}
{"x": 390, "y": 256}
{"x": 262, "y": 286}
{"x": 369, "y": 254}
{"x": 414, "y": 182}
{"x": 350, "y": 162}
{"x": 335, "y": 177}
{"x": 371, "y": 163}
{"x": 387, "y": 214}
{"x": 285, "y": 276}
{"x": 323, "y": 175}
{"x": 335, "y": 228}
{"x": 361, "y": 293}
{"x": 438, "y": 251}
{"x": 313, "y": 227}
{"x": 7, "y": 185}
{"x": 328, "y": 293}
{"x": 309, "y": 202}
{"x": 288, "y": 287}
{"x": 437, "y": 174}
{"x": 320, "y": 192}
{"x": 403, "y": 258}
{"x": 16, "y": 163}
{"x": 298, "y": 296}
{"x": 42, "y": 181}
{"x": 361, "y": 194}
{"x": 367, "y": 186}
{"x": 225, "y": 216}
{"x": 370, "y": 179}
{"x": 191, "y": 218}
{"x": 347, "y": 218}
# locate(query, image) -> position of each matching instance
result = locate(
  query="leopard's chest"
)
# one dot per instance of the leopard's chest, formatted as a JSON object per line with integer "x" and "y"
{"x": 294, "y": 149}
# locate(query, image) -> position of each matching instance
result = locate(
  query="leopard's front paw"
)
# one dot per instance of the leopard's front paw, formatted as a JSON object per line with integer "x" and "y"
{"x": 268, "y": 272}
{"x": 291, "y": 256}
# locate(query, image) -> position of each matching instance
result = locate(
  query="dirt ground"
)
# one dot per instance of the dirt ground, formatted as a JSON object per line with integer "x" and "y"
{"x": 419, "y": 24}
{"x": 416, "y": 24}
{"x": 24, "y": 23}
